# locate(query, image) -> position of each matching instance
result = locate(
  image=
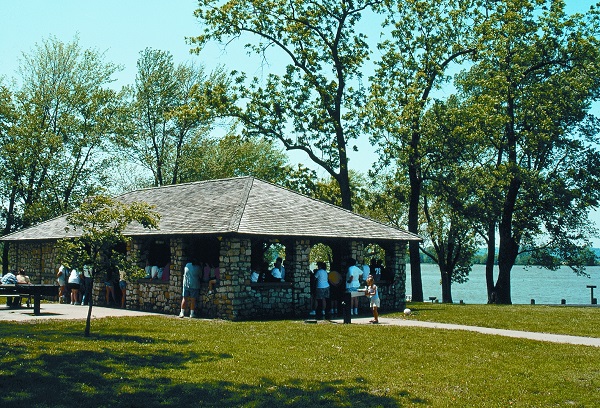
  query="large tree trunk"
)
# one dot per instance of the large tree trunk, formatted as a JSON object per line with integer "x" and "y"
{"x": 509, "y": 247}
{"x": 489, "y": 263}
{"x": 344, "y": 183}
{"x": 446, "y": 285}
{"x": 413, "y": 226}
{"x": 10, "y": 218}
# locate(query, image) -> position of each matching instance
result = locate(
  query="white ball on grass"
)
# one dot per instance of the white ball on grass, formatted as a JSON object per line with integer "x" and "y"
{"x": 407, "y": 312}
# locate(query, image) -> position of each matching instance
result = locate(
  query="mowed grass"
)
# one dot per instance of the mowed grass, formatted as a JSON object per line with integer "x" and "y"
{"x": 571, "y": 320}
{"x": 165, "y": 361}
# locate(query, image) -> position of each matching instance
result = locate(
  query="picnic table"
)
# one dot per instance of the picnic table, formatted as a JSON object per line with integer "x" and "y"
{"x": 37, "y": 291}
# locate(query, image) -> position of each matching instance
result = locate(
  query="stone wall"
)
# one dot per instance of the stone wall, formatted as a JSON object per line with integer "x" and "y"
{"x": 38, "y": 259}
{"x": 235, "y": 298}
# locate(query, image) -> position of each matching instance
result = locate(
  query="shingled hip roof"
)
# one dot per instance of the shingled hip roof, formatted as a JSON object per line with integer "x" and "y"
{"x": 243, "y": 205}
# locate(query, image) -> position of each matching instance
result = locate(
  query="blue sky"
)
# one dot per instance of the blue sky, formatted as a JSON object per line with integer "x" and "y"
{"x": 123, "y": 28}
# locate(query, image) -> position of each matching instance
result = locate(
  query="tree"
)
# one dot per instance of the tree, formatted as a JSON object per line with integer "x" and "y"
{"x": 169, "y": 109}
{"x": 311, "y": 106}
{"x": 535, "y": 76}
{"x": 100, "y": 222}
{"x": 52, "y": 146}
{"x": 451, "y": 206}
{"x": 232, "y": 156}
{"x": 426, "y": 38}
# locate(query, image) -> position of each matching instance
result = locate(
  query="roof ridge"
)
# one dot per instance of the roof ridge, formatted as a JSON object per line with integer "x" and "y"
{"x": 236, "y": 218}
{"x": 176, "y": 185}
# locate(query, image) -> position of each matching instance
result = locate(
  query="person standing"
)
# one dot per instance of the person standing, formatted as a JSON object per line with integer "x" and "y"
{"x": 191, "y": 288}
{"x": 109, "y": 285}
{"x": 372, "y": 293}
{"x": 123, "y": 287}
{"x": 336, "y": 289}
{"x": 74, "y": 283}
{"x": 366, "y": 271}
{"x": 61, "y": 276}
{"x": 352, "y": 284}
{"x": 322, "y": 292}
{"x": 87, "y": 285}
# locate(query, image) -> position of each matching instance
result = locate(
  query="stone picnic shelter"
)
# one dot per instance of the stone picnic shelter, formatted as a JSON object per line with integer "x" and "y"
{"x": 230, "y": 223}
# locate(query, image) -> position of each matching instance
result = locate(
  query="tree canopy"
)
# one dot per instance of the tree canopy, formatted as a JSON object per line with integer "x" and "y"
{"x": 100, "y": 221}
{"x": 311, "y": 105}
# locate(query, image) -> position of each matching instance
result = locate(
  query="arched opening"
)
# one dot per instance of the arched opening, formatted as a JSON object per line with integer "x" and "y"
{"x": 373, "y": 261}
{"x": 322, "y": 259}
{"x": 268, "y": 262}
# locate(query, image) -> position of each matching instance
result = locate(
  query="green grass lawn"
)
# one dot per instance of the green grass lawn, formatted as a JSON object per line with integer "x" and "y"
{"x": 576, "y": 321}
{"x": 166, "y": 361}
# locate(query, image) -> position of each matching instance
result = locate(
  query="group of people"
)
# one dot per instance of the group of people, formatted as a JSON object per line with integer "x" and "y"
{"x": 327, "y": 287}
{"x": 75, "y": 287}
{"x": 261, "y": 273}
{"x": 154, "y": 272}
{"x": 193, "y": 275}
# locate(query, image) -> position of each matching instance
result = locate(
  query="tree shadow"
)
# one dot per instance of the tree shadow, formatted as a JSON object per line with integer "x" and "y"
{"x": 112, "y": 377}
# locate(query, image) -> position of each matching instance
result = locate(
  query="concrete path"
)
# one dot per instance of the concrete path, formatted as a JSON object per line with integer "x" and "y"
{"x": 555, "y": 338}
{"x": 51, "y": 311}
{"x": 60, "y": 311}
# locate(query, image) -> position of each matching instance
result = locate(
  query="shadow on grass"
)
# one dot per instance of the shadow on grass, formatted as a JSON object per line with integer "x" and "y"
{"x": 109, "y": 377}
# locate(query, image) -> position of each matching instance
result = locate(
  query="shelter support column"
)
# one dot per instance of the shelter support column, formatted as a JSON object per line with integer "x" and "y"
{"x": 299, "y": 262}
{"x": 395, "y": 259}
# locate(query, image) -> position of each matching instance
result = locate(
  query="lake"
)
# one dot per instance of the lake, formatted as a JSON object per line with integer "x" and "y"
{"x": 546, "y": 287}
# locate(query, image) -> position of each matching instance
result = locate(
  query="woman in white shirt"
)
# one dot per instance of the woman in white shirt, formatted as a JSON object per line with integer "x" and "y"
{"x": 322, "y": 292}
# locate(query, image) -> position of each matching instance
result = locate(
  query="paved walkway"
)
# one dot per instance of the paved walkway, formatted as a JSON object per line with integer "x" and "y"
{"x": 554, "y": 338}
{"x": 63, "y": 312}
{"x": 60, "y": 311}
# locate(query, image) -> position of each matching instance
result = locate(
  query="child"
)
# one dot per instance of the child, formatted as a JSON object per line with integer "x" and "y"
{"x": 373, "y": 294}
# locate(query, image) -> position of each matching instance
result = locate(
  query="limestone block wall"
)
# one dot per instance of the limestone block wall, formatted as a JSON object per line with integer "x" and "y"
{"x": 157, "y": 296}
{"x": 235, "y": 298}
{"x": 300, "y": 258}
{"x": 38, "y": 259}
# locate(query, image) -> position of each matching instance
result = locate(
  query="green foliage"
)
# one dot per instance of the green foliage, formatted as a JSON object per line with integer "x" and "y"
{"x": 427, "y": 37}
{"x": 233, "y": 156}
{"x": 169, "y": 110}
{"x": 99, "y": 224}
{"x": 534, "y": 78}
{"x": 321, "y": 253}
{"x": 310, "y": 104}
{"x": 54, "y": 131}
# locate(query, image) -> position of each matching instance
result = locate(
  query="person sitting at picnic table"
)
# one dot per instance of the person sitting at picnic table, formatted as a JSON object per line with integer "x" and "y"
{"x": 23, "y": 280}
{"x": 9, "y": 279}
{"x": 254, "y": 274}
